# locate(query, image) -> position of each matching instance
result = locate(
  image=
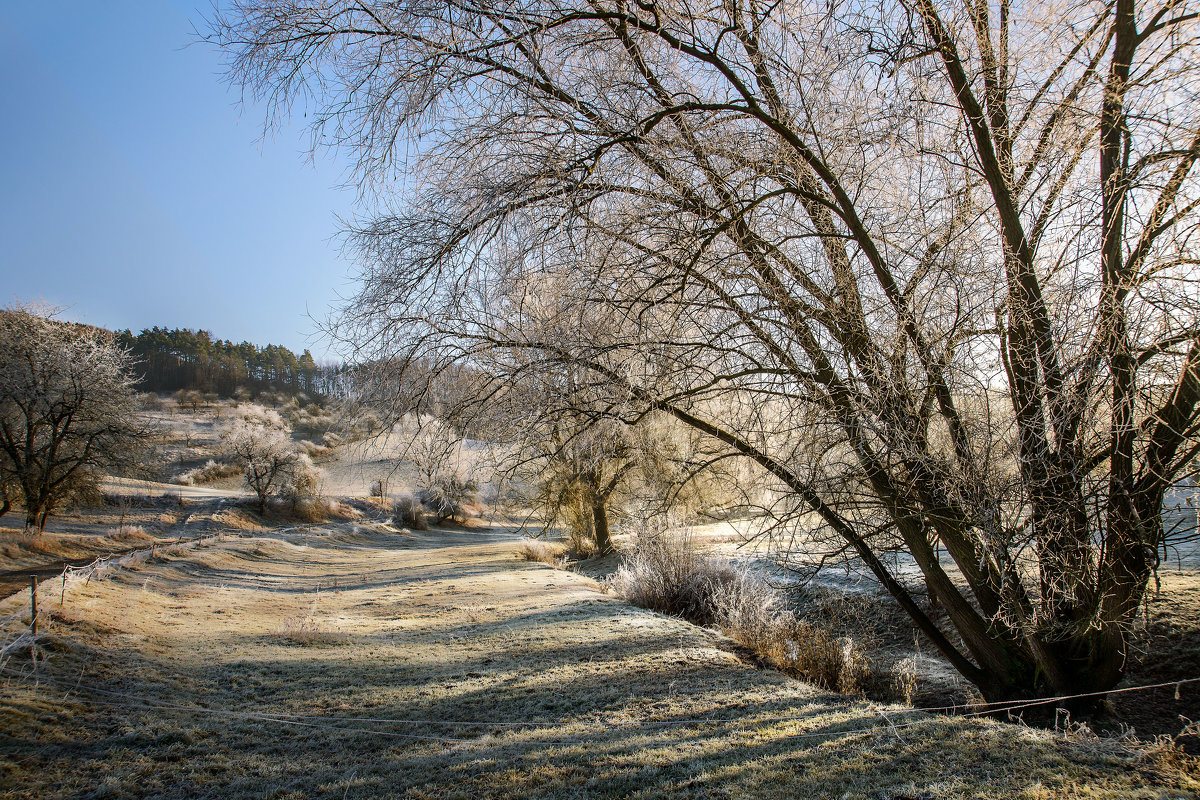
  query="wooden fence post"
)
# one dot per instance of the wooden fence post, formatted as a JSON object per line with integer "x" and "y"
{"x": 33, "y": 604}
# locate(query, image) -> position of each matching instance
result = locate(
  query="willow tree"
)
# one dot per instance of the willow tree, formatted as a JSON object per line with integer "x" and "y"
{"x": 928, "y": 263}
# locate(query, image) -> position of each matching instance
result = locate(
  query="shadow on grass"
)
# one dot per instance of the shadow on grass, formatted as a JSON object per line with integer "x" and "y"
{"x": 639, "y": 706}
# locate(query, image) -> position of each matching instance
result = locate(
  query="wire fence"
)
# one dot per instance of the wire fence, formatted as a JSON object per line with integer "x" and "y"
{"x": 99, "y": 568}
{"x": 102, "y": 567}
{"x": 354, "y": 724}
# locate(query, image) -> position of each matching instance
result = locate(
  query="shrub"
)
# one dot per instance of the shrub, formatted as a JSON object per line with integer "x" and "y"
{"x": 210, "y": 472}
{"x": 314, "y": 450}
{"x": 552, "y": 553}
{"x": 311, "y": 420}
{"x": 410, "y": 513}
{"x": 667, "y": 573}
{"x": 449, "y": 497}
{"x": 303, "y": 481}
{"x": 310, "y": 509}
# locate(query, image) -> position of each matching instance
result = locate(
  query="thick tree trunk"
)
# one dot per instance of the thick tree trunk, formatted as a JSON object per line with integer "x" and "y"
{"x": 600, "y": 526}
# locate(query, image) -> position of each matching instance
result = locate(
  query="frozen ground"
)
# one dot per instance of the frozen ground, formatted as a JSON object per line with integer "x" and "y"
{"x": 350, "y": 661}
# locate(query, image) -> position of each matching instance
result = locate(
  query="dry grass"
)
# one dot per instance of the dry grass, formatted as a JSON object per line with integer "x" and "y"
{"x": 131, "y": 534}
{"x": 309, "y": 632}
{"x": 666, "y": 572}
{"x": 239, "y": 520}
{"x": 552, "y": 553}
{"x": 46, "y": 544}
{"x": 449, "y": 627}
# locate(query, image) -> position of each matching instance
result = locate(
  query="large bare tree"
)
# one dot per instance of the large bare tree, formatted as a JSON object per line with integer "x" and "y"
{"x": 66, "y": 409}
{"x": 930, "y": 264}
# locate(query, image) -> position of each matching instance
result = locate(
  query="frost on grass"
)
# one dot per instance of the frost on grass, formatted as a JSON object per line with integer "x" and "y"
{"x": 667, "y": 572}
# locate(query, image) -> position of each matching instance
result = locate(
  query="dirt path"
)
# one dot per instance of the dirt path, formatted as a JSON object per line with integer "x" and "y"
{"x": 349, "y": 663}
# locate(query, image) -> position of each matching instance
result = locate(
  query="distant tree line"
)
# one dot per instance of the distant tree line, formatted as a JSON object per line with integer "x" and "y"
{"x": 170, "y": 359}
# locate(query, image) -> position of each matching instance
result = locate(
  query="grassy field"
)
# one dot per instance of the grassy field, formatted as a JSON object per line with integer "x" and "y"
{"x": 356, "y": 661}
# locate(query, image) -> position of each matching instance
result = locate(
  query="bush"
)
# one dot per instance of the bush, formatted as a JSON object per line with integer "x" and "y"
{"x": 309, "y": 509}
{"x": 210, "y": 472}
{"x": 449, "y": 497}
{"x": 410, "y": 513}
{"x": 310, "y": 420}
{"x": 314, "y": 450}
{"x": 552, "y": 553}
{"x": 667, "y": 573}
{"x": 303, "y": 481}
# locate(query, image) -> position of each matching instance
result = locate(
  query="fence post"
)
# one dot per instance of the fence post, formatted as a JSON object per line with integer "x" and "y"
{"x": 33, "y": 604}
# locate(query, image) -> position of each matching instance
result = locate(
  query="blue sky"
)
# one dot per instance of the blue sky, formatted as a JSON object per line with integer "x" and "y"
{"x": 135, "y": 190}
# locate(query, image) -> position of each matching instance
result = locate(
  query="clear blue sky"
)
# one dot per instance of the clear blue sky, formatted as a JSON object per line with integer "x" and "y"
{"x": 137, "y": 191}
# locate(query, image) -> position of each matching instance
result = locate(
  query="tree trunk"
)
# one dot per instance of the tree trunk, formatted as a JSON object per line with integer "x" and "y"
{"x": 600, "y": 526}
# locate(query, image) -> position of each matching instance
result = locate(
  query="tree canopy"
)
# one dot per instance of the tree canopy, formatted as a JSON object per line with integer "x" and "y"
{"x": 930, "y": 264}
{"x": 66, "y": 409}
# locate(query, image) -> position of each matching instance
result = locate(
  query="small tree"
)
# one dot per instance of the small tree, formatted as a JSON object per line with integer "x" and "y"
{"x": 66, "y": 409}
{"x": 258, "y": 440}
{"x": 434, "y": 451}
{"x": 575, "y": 474}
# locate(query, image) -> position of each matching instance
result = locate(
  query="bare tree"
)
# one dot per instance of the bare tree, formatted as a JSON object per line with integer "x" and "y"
{"x": 928, "y": 264}
{"x": 258, "y": 440}
{"x": 66, "y": 409}
{"x": 433, "y": 449}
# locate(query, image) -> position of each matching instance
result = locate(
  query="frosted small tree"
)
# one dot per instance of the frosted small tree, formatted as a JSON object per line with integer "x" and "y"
{"x": 67, "y": 407}
{"x": 434, "y": 451}
{"x": 257, "y": 439}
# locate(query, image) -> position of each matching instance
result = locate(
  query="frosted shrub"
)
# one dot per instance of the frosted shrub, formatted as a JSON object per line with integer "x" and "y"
{"x": 210, "y": 472}
{"x": 667, "y": 573}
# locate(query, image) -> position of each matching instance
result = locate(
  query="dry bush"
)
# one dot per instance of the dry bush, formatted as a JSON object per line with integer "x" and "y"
{"x": 130, "y": 534}
{"x": 211, "y": 472}
{"x": 410, "y": 512}
{"x": 314, "y": 450}
{"x": 307, "y": 509}
{"x": 450, "y": 497}
{"x": 904, "y": 680}
{"x": 311, "y": 421}
{"x": 303, "y": 481}
{"x": 552, "y": 553}
{"x": 667, "y": 573}
{"x": 805, "y": 650}
{"x": 149, "y": 401}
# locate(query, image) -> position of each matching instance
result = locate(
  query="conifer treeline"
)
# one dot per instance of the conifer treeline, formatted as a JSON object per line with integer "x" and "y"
{"x": 180, "y": 358}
